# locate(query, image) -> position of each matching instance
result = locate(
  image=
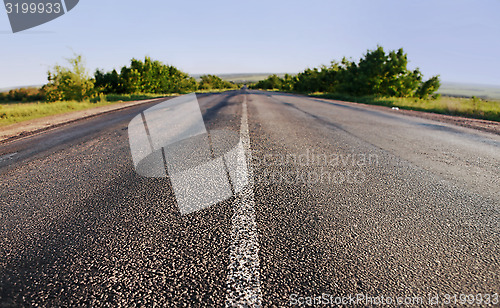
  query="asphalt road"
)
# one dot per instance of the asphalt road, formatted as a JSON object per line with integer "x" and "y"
{"x": 346, "y": 201}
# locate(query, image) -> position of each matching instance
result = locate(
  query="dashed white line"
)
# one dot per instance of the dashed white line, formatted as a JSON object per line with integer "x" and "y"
{"x": 243, "y": 281}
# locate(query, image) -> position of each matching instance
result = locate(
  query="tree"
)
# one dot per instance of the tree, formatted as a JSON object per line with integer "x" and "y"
{"x": 108, "y": 82}
{"x": 150, "y": 76}
{"x": 69, "y": 83}
{"x": 377, "y": 73}
{"x": 210, "y": 82}
{"x": 428, "y": 88}
{"x": 272, "y": 82}
{"x": 288, "y": 83}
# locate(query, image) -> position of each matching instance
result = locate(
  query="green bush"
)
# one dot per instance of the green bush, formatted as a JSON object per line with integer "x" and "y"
{"x": 148, "y": 76}
{"x": 69, "y": 83}
{"x": 212, "y": 82}
{"x": 23, "y": 95}
{"x": 378, "y": 73}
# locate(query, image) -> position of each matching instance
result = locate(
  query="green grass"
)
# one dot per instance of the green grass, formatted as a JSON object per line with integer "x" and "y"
{"x": 133, "y": 97}
{"x": 15, "y": 112}
{"x": 11, "y": 113}
{"x": 467, "y": 107}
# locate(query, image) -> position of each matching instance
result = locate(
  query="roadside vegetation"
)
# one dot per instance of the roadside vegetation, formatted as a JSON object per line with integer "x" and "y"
{"x": 212, "y": 82}
{"x": 377, "y": 78}
{"x": 72, "y": 87}
{"x": 15, "y": 112}
{"x": 380, "y": 78}
{"x": 22, "y": 95}
{"x": 458, "y": 106}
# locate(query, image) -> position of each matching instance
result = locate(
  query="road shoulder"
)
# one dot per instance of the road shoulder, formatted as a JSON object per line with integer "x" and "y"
{"x": 31, "y": 127}
{"x": 479, "y": 124}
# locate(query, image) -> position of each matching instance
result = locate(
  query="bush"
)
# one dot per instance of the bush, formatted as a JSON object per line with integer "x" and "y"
{"x": 376, "y": 74}
{"x": 23, "y": 95}
{"x": 428, "y": 88}
{"x": 71, "y": 83}
{"x": 147, "y": 76}
{"x": 211, "y": 82}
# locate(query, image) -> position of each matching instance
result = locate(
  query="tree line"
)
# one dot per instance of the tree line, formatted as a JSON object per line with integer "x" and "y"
{"x": 377, "y": 73}
{"x": 22, "y": 95}
{"x": 141, "y": 76}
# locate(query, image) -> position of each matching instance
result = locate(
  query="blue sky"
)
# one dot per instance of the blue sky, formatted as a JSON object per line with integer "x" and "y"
{"x": 454, "y": 38}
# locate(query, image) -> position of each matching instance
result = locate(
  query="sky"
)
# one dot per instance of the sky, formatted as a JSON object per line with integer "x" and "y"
{"x": 457, "y": 39}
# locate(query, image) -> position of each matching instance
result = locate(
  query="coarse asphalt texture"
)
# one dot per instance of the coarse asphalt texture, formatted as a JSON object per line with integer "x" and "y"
{"x": 347, "y": 199}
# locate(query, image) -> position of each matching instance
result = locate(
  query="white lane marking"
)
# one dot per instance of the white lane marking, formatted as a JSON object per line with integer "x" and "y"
{"x": 7, "y": 156}
{"x": 243, "y": 280}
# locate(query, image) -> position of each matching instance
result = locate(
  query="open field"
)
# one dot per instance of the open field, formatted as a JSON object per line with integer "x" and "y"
{"x": 468, "y": 107}
{"x": 447, "y": 88}
{"x": 455, "y": 101}
{"x": 15, "y": 112}
{"x": 469, "y": 90}
{"x": 18, "y": 112}
{"x": 243, "y": 77}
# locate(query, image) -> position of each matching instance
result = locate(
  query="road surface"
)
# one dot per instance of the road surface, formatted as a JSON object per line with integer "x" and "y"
{"x": 347, "y": 200}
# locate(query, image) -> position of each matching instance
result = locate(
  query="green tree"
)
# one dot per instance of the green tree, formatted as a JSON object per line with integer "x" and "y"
{"x": 377, "y": 73}
{"x": 108, "y": 82}
{"x": 429, "y": 87}
{"x": 129, "y": 80}
{"x": 288, "y": 82}
{"x": 272, "y": 82}
{"x": 150, "y": 76}
{"x": 210, "y": 82}
{"x": 69, "y": 83}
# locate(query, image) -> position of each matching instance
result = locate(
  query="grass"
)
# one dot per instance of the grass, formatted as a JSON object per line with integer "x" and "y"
{"x": 15, "y": 112}
{"x": 467, "y": 107}
{"x": 11, "y": 113}
{"x": 132, "y": 97}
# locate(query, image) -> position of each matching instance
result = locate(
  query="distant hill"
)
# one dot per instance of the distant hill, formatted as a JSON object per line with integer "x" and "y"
{"x": 243, "y": 77}
{"x": 469, "y": 90}
{"x": 15, "y": 88}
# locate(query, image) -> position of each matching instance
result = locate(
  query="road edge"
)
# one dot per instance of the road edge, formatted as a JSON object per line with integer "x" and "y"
{"x": 472, "y": 123}
{"x": 21, "y": 130}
